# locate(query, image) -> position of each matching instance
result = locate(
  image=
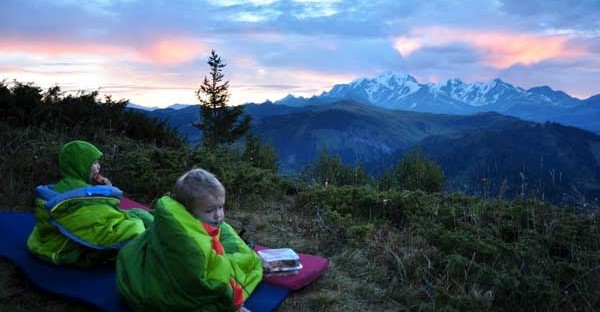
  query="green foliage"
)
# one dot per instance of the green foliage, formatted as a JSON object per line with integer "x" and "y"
{"x": 219, "y": 123}
{"x": 328, "y": 169}
{"x": 526, "y": 253}
{"x": 414, "y": 172}
{"x": 28, "y": 159}
{"x": 82, "y": 114}
{"x": 244, "y": 182}
{"x": 450, "y": 252}
{"x": 148, "y": 172}
{"x": 258, "y": 154}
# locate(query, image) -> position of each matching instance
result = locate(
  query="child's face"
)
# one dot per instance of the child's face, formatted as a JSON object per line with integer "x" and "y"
{"x": 95, "y": 170}
{"x": 210, "y": 209}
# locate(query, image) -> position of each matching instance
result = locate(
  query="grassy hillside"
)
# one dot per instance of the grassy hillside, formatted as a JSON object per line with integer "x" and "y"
{"x": 396, "y": 249}
{"x": 360, "y": 133}
{"x": 551, "y": 162}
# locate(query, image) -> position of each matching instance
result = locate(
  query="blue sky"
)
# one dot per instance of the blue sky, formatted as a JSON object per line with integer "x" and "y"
{"x": 154, "y": 52}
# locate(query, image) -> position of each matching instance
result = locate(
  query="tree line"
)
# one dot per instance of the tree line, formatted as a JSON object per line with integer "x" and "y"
{"x": 25, "y": 105}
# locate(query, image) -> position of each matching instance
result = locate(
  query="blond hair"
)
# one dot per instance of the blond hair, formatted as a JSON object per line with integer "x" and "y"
{"x": 195, "y": 185}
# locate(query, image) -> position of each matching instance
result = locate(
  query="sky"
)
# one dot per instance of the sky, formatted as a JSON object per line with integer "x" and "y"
{"x": 155, "y": 52}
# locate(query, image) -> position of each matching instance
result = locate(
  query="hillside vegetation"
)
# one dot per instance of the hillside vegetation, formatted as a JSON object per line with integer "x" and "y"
{"x": 485, "y": 154}
{"x": 395, "y": 244}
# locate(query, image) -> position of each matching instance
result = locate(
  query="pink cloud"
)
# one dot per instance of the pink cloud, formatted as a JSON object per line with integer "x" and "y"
{"x": 163, "y": 51}
{"x": 173, "y": 51}
{"x": 406, "y": 45}
{"x": 56, "y": 49}
{"x": 500, "y": 49}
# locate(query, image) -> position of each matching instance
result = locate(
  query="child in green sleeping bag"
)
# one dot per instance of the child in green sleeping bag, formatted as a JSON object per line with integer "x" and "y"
{"x": 190, "y": 259}
{"x": 78, "y": 223}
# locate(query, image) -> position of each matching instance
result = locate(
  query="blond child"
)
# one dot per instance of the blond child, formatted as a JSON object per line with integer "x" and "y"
{"x": 190, "y": 259}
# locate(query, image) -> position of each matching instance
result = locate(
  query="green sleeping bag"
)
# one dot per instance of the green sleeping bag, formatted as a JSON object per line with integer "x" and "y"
{"x": 183, "y": 264}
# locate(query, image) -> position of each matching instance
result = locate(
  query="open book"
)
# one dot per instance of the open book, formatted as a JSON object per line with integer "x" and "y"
{"x": 280, "y": 262}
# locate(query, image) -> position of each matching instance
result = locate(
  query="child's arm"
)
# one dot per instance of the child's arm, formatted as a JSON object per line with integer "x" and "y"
{"x": 245, "y": 262}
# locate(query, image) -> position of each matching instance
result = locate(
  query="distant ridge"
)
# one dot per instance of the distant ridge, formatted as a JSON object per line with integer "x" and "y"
{"x": 141, "y": 107}
{"x": 180, "y": 106}
{"x": 399, "y": 91}
{"x": 146, "y": 108}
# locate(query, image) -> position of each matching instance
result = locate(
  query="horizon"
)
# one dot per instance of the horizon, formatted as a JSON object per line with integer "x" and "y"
{"x": 349, "y": 82}
{"x": 154, "y": 53}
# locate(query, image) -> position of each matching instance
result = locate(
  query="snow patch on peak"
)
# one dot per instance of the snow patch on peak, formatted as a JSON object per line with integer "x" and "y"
{"x": 475, "y": 94}
{"x": 393, "y": 79}
{"x": 358, "y": 81}
{"x": 380, "y": 88}
{"x": 446, "y": 86}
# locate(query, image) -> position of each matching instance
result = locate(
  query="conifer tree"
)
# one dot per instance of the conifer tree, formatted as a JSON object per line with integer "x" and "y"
{"x": 220, "y": 124}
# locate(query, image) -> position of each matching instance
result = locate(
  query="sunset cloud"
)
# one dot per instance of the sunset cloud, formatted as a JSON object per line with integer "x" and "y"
{"x": 406, "y": 45}
{"x": 303, "y": 83}
{"x": 173, "y": 51}
{"x": 57, "y": 49}
{"x": 498, "y": 49}
{"x": 160, "y": 51}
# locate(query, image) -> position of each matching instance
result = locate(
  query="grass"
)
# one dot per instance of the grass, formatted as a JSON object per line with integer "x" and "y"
{"x": 269, "y": 223}
{"x": 442, "y": 252}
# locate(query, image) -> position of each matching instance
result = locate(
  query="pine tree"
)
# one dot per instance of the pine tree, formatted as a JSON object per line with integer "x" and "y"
{"x": 219, "y": 123}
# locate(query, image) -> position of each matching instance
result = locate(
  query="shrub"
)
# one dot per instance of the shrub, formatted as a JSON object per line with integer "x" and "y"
{"x": 328, "y": 169}
{"x": 414, "y": 172}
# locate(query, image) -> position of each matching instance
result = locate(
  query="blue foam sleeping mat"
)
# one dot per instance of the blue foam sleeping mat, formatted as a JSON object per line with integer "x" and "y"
{"x": 93, "y": 286}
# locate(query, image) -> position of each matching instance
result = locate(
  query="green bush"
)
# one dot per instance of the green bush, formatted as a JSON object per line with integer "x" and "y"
{"x": 328, "y": 169}
{"x": 260, "y": 155}
{"x": 82, "y": 114}
{"x": 414, "y": 172}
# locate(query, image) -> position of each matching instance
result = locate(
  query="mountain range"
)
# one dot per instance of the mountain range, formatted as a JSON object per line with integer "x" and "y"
{"x": 403, "y": 92}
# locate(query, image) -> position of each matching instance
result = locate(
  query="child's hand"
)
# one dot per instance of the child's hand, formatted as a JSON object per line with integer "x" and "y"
{"x": 98, "y": 178}
{"x": 106, "y": 181}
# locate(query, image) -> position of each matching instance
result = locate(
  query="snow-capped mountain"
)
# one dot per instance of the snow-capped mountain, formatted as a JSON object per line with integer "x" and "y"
{"x": 403, "y": 92}
{"x": 395, "y": 91}
{"x": 480, "y": 93}
{"x": 146, "y": 108}
{"x": 179, "y": 106}
{"x": 380, "y": 90}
